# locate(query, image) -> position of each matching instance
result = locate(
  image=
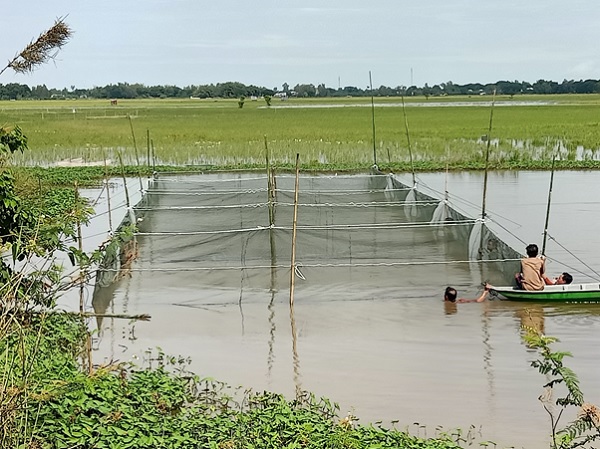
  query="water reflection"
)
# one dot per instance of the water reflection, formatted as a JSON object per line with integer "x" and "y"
{"x": 371, "y": 331}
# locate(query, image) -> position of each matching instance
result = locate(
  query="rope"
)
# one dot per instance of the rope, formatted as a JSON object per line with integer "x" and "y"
{"x": 577, "y": 258}
{"x": 318, "y": 227}
{"x": 316, "y": 265}
{"x": 252, "y": 191}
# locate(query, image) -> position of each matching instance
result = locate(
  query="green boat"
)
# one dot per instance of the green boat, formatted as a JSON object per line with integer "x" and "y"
{"x": 552, "y": 293}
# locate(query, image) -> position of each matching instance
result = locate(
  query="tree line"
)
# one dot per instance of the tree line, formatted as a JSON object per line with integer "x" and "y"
{"x": 16, "y": 91}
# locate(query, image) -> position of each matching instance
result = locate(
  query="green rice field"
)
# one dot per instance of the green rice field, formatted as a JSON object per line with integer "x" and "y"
{"x": 526, "y": 131}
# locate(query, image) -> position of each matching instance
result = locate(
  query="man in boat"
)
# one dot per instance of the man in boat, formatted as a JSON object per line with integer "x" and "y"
{"x": 451, "y": 294}
{"x": 562, "y": 279}
{"x": 533, "y": 269}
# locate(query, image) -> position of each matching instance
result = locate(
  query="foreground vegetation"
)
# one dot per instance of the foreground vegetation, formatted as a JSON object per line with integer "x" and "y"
{"x": 124, "y": 406}
{"x": 327, "y": 133}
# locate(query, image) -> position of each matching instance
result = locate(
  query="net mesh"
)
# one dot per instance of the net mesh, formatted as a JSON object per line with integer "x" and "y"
{"x": 357, "y": 235}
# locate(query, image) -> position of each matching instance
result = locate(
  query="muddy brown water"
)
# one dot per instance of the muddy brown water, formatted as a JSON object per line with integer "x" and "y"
{"x": 381, "y": 342}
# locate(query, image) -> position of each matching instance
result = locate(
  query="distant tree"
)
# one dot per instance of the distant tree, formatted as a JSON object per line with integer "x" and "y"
{"x": 305, "y": 90}
{"x": 40, "y": 92}
{"x": 508, "y": 87}
{"x": 322, "y": 90}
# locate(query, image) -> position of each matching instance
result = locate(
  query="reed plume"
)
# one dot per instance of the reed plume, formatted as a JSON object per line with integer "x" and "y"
{"x": 41, "y": 50}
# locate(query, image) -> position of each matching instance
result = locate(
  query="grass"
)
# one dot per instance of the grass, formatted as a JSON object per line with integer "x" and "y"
{"x": 218, "y": 133}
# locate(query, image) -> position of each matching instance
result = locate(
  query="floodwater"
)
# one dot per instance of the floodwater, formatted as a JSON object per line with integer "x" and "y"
{"x": 378, "y": 340}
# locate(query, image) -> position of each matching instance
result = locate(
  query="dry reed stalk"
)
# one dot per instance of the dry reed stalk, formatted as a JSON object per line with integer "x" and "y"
{"x": 41, "y": 50}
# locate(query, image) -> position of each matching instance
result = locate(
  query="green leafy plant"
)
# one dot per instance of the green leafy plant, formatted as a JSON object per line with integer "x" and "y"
{"x": 586, "y": 428}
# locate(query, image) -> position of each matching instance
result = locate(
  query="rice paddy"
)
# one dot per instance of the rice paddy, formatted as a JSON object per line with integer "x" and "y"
{"x": 526, "y": 130}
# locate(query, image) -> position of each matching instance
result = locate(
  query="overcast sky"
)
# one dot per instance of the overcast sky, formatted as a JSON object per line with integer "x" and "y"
{"x": 336, "y": 42}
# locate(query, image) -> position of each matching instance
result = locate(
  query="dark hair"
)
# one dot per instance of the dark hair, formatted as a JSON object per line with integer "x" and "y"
{"x": 532, "y": 250}
{"x": 567, "y": 278}
{"x": 450, "y": 294}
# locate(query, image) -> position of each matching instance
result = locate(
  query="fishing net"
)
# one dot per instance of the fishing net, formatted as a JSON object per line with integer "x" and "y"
{"x": 356, "y": 236}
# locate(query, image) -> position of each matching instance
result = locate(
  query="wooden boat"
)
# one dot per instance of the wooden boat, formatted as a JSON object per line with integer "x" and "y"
{"x": 552, "y": 293}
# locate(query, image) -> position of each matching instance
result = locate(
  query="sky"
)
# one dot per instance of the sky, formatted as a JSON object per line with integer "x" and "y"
{"x": 335, "y": 42}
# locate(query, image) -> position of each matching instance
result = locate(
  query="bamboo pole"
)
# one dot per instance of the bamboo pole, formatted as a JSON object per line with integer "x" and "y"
{"x": 410, "y": 155}
{"x": 148, "y": 147}
{"x": 270, "y": 195}
{"x": 137, "y": 157}
{"x": 487, "y": 157}
{"x": 153, "y": 156}
{"x": 88, "y": 342}
{"x": 124, "y": 181}
{"x": 110, "y": 225}
{"x": 373, "y": 120}
{"x": 295, "y": 222}
{"x": 80, "y": 246}
{"x": 548, "y": 206}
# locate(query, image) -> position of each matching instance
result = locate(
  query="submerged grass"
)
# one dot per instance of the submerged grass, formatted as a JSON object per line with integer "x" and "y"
{"x": 325, "y": 132}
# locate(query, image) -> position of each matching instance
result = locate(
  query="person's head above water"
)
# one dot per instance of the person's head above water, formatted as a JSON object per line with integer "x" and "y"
{"x": 450, "y": 294}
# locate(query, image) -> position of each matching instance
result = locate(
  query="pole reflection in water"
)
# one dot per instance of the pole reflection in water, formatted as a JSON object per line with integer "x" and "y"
{"x": 295, "y": 357}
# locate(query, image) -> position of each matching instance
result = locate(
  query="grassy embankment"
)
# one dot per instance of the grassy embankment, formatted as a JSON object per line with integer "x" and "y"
{"x": 327, "y": 133}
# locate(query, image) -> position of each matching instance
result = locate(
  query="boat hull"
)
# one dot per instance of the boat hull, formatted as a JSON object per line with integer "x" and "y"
{"x": 552, "y": 293}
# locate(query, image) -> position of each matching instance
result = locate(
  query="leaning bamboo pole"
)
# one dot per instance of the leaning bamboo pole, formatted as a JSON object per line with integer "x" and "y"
{"x": 548, "y": 206}
{"x": 107, "y": 187}
{"x": 124, "y": 181}
{"x": 137, "y": 157}
{"x": 373, "y": 120}
{"x": 410, "y": 154}
{"x": 294, "y": 225}
{"x": 487, "y": 157}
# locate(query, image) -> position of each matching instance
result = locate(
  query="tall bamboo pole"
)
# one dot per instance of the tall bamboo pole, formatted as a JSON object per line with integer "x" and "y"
{"x": 410, "y": 155}
{"x": 153, "y": 156}
{"x": 487, "y": 157}
{"x": 148, "y": 147}
{"x": 295, "y": 222}
{"x": 373, "y": 120}
{"x": 124, "y": 181}
{"x": 137, "y": 157}
{"x": 548, "y": 206}
{"x": 80, "y": 246}
{"x": 88, "y": 342}
{"x": 106, "y": 185}
{"x": 270, "y": 195}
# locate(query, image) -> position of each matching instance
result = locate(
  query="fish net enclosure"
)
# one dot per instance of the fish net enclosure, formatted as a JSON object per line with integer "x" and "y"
{"x": 357, "y": 236}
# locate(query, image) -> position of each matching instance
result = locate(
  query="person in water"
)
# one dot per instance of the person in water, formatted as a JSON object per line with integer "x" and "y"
{"x": 450, "y": 295}
{"x": 562, "y": 279}
{"x": 533, "y": 270}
